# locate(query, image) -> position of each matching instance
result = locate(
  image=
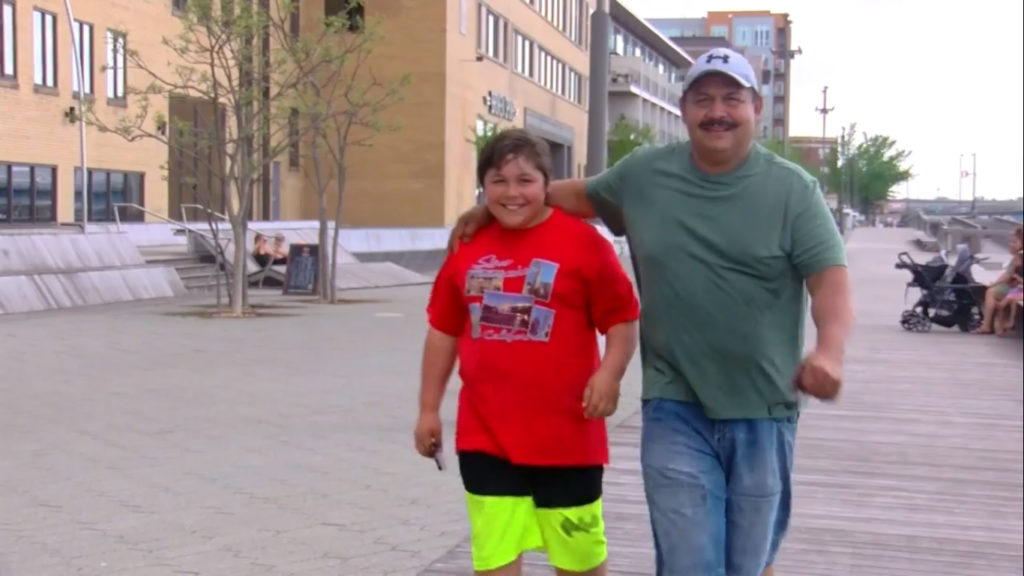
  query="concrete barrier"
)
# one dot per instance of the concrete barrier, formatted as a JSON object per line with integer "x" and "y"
{"x": 46, "y": 271}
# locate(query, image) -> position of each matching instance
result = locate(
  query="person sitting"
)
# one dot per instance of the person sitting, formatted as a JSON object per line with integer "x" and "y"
{"x": 261, "y": 251}
{"x": 280, "y": 251}
{"x": 998, "y": 290}
{"x": 1006, "y": 310}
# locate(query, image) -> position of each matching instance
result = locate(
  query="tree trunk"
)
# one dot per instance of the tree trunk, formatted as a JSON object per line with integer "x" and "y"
{"x": 325, "y": 278}
{"x": 239, "y": 280}
{"x": 340, "y": 182}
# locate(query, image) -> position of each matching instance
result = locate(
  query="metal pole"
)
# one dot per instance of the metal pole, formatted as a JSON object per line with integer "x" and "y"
{"x": 960, "y": 184}
{"x": 974, "y": 182}
{"x": 77, "y": 57}
{"x": 597, "y": 120}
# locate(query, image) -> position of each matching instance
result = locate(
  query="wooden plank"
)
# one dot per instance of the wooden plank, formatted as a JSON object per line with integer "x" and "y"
{"x": 917, "y": 471}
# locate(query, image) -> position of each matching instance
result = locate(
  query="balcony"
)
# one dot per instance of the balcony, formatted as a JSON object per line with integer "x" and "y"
{"x": 632, "y": 72}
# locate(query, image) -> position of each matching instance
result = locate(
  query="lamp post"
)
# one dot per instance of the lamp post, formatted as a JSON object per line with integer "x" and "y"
{"x": 76, "y": 56}
{"x": 597, "y": 118}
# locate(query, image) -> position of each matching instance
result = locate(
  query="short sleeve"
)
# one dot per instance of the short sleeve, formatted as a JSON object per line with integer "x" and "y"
{"x": 446, "y": 311}
{"x": 605, "y": 192}
{"x": 815, "y": 242}
{"x": 610, "y": 295}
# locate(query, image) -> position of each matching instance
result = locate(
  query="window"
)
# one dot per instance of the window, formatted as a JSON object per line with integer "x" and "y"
{"x": 107, "y": 189}
{"x": 780, "y": 89}
{"x": 351, "y": 10}
{"x": 295, "y": 21}
{"x": 115, "y": 65}
{"x": 44, "y": 48}
{"x": 780, "y": 110}
{"x": 524, "y": 55}
{"x": 83, "y": 47}
{"x": 8, "y": 50}
{"x": 720, "y": 31}
{"x": 293, "y": 139}
{"x": 763, "y": 36}
{"x": 742, "y": 36}
{"x": 179, "y": 5}
{"x": 27, "y": 193}
{"x": 493, "y": 30}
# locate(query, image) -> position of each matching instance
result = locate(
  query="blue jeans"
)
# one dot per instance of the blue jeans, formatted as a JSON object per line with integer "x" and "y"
{"x": 718, "y": 491}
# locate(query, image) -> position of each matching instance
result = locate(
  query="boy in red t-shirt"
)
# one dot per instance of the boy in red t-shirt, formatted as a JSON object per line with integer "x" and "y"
{"x": 520, "y": 307}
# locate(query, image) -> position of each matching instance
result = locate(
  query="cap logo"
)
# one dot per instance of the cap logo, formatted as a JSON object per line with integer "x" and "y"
{"x": 712, "y": 57}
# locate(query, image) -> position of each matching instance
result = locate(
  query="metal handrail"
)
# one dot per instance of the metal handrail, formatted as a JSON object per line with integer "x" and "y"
{"x": 184, "y": 214}
{"x": 144, "y": 210}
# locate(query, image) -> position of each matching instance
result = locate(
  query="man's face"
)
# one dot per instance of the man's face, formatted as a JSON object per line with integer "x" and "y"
{"x": 720, "y": 115}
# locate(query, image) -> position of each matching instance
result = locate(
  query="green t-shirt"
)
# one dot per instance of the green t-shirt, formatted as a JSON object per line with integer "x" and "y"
{"x": 721, "y": 262}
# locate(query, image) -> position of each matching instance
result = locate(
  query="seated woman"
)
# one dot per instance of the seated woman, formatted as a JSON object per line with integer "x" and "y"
{"x": 1006, "y": 310}
{"x": 279, "y": 250}
{"x": 998, "y": 290}
{"x": 261, "y": 251}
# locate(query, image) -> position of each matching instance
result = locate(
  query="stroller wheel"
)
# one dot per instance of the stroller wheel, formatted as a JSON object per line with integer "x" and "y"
{"x": 914, "y": 321}
{"x": 972, "y": 321}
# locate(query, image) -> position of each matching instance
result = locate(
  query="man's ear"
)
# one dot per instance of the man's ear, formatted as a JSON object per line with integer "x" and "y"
{"x": 758, "y": 103}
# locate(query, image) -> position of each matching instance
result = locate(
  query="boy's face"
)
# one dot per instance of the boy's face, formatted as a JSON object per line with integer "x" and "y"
{"x": 514, "y": 193}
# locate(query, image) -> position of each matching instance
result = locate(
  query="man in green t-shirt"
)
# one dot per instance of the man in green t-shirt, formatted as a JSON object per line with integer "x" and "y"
{"x": 726, "y": 240}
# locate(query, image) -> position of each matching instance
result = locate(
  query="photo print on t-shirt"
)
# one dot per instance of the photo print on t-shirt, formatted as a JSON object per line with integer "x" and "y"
{"x": 480, "y": 280}
{"x": 540, "y": 279}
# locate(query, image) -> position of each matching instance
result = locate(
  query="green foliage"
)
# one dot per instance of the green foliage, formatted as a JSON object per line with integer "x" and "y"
{"x": 626, "y": 136}
{"x": 869, "y": 169}
{"x": 481, "y": 138}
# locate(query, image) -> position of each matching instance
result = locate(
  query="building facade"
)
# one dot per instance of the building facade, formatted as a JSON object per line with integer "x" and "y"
{"x": 645, "y": 81}
{"x": 471, "y": 63}
{"x": 763, "y": 37}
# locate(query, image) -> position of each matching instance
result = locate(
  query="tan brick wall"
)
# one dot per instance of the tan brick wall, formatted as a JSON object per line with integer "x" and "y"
{"x": 422, "y": 175}
{"x": 34, "y": 128}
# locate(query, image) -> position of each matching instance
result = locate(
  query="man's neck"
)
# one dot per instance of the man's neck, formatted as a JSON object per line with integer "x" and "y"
{"x": 719, "y": 165}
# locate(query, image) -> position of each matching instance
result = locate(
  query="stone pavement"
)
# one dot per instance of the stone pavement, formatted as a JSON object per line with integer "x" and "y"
{"x": 139, "y": 442}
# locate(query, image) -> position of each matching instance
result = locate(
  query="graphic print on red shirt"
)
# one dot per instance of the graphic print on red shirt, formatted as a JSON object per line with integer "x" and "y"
{"x": 526, "y": 306}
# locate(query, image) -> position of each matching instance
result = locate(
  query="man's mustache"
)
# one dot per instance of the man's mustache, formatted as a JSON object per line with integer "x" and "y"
{"x": 717, "y": 123}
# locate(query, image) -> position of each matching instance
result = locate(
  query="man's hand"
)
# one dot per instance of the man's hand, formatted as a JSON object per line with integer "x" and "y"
{"x": 820, "y": 375}
{"x": 428, "y": 434}
{"x": 467, "y": 225}
{"x": 601, "y": 397}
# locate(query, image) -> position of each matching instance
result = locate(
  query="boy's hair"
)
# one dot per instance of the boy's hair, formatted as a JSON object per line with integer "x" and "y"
{"x": 514, "y": 143}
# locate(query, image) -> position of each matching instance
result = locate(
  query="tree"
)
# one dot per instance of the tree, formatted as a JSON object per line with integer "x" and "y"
{"x": 236, "y": 60}
{"x": 342, "y": 104}
{"x": 868, "y": 169}
{"x": 626, "y": 136}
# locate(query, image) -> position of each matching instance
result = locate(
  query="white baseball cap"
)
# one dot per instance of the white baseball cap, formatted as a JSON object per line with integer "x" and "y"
{"x": 722, "y": 61}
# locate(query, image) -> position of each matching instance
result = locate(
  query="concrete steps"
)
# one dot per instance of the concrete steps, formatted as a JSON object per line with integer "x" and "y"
{"x": 196, "y": 275}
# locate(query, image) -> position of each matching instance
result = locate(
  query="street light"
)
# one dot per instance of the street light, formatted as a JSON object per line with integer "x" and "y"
{"x": 76, "y": 57}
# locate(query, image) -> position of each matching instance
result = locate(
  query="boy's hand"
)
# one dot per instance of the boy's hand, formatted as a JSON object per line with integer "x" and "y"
{"x": 428, "y": 434}
{"x": 601, "y": 397}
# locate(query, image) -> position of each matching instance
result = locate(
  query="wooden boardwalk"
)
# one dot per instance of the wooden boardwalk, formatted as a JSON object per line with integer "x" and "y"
{"x": 917, "y": 471}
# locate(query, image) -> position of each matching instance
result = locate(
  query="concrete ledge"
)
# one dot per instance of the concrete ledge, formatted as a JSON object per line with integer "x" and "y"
{"x": 37, "y": 292}
{"x": 47, "y": 271}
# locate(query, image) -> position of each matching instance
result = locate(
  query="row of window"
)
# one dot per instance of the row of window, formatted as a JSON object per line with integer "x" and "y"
{"x": 624, "y": 44}
{"x": 45, "y": 46}
{"x": 28, "y": 194}
{"x": 528, "y": 58}
{"x": 569, "y": 16}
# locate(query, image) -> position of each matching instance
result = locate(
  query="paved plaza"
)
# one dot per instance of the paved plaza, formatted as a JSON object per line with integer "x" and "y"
{"x": 139, "y": 441}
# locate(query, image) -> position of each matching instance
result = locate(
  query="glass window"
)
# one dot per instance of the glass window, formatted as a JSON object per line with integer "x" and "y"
{"x": 27, "y": 193}
{"x": 8, "y": 50}
{"x": 111, "y": 191}
{"x": 44, "y": 44}
{"x": 44, "y": 194}
{"x": 83, "y": 46}
{"x": 115, "y": 66}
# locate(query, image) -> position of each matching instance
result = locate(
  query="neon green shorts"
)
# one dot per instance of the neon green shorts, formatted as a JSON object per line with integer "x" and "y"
{"x": 514, "y": 509}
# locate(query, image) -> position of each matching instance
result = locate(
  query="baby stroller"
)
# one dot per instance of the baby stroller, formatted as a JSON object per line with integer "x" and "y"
{"x": 949, "y": 294}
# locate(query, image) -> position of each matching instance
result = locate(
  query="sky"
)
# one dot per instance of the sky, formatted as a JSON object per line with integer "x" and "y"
{"x": 941, "y": 82}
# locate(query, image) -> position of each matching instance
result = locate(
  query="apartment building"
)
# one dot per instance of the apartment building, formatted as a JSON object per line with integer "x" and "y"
{"x": 646, "y": 76}
{"x": 472, "y": 64}
{"x": 764, "y": 37}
